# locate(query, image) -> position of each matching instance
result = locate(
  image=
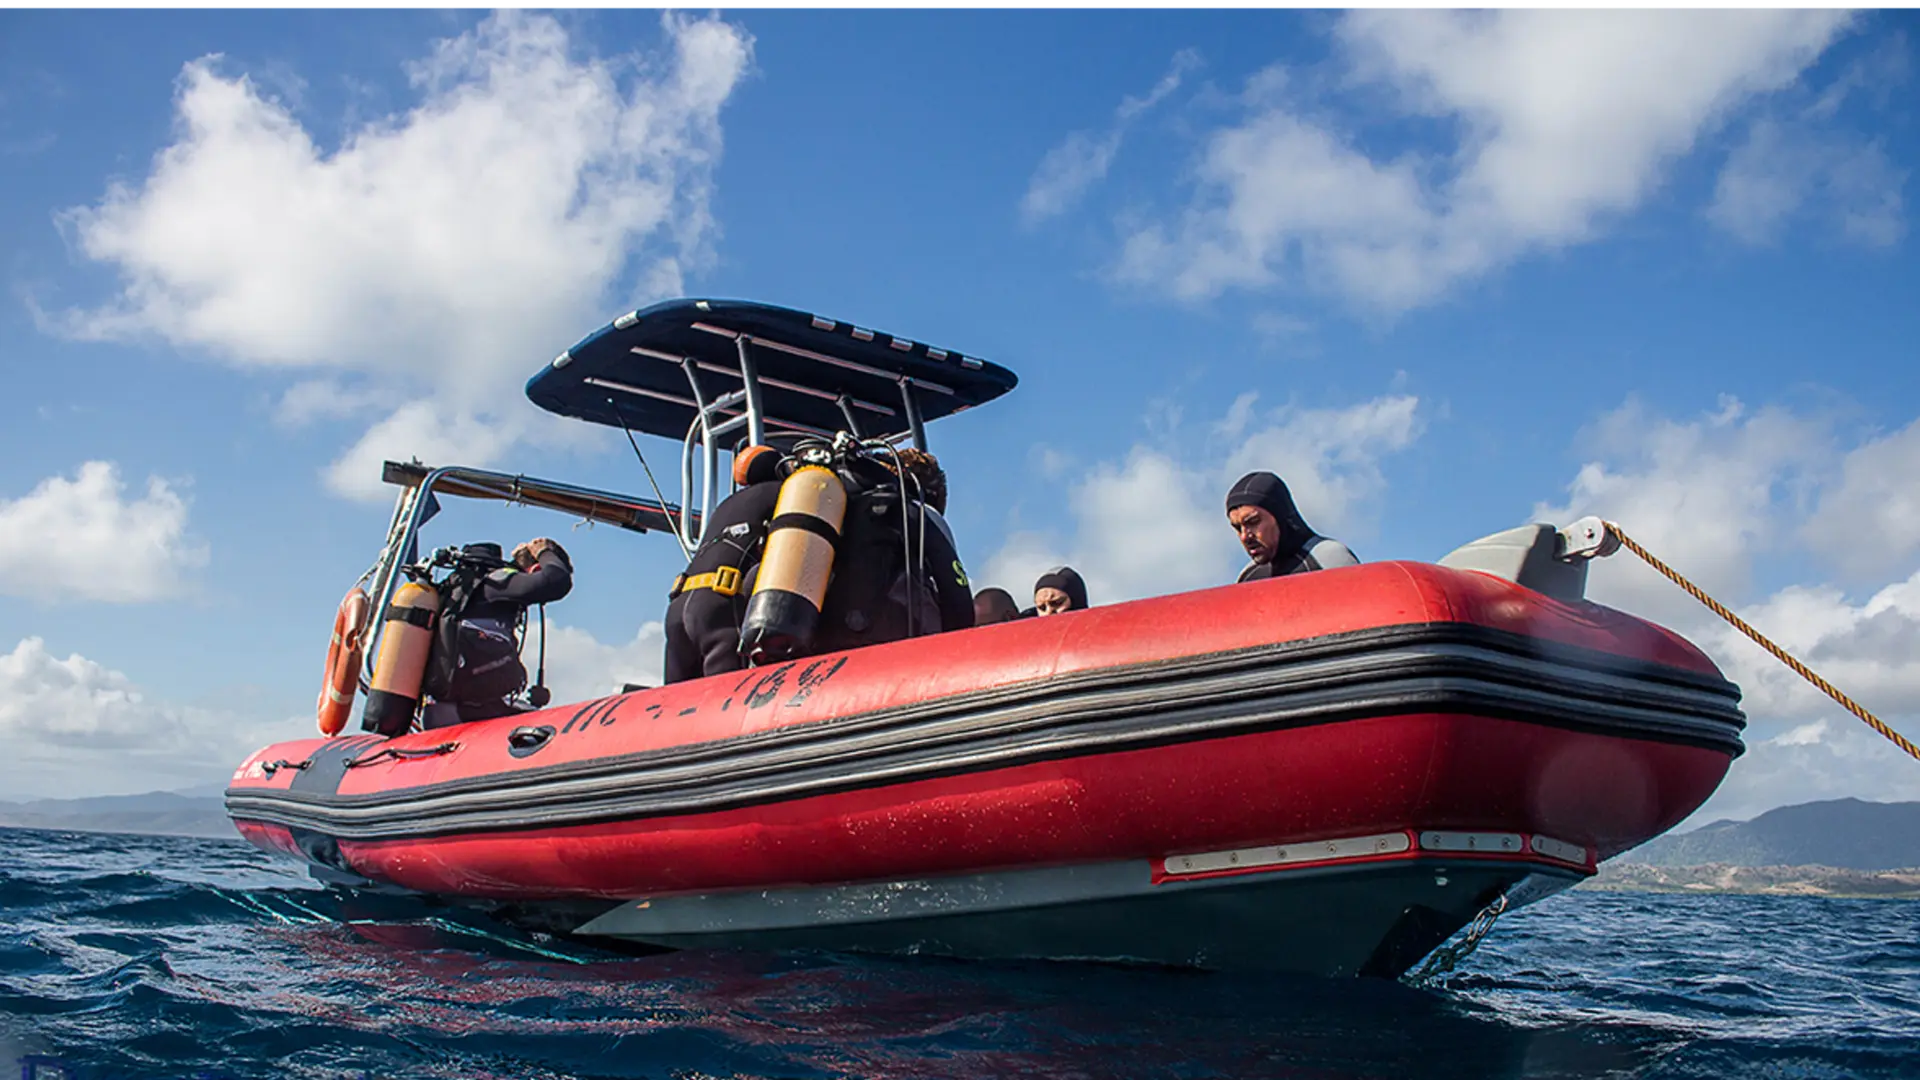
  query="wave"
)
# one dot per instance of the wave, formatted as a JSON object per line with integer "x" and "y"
{"x": 144, "y": 958}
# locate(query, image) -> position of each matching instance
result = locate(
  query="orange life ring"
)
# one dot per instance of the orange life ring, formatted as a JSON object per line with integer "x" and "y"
{"x": 343, "y": 663}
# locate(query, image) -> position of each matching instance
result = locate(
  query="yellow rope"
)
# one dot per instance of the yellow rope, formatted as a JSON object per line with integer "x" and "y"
{"x": 1760, "y": 639}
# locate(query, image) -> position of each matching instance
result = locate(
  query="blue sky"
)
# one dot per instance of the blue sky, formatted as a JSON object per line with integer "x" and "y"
{"x": 1446, "y": 273}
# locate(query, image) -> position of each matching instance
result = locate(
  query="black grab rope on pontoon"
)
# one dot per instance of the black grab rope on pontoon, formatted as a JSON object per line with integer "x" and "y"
{"x": 399, "y": 753}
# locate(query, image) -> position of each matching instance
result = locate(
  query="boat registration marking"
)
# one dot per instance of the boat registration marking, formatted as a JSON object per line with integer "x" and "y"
{"x": 1559, "y": 849}
{"x": 1351, "y": 847}
{"x": 1471, "y": 841}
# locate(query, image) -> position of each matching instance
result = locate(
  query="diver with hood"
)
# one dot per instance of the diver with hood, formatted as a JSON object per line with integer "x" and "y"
{"x": 1059, "y": 591}
{"x": 1277, "y": 539}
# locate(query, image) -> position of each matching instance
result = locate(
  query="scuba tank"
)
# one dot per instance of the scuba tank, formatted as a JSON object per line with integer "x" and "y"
{"x": 394, "y": 692}
{"x": 796, "y": 566}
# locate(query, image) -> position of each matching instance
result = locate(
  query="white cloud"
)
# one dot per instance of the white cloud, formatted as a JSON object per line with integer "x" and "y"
{"x": 442, "y": 254}
{"x": 1870, "y": 522}
{"x": 1705, "y": 495}
{"x": 1330, "y": 458}
{"x": 1779, "y": 169}
{"x": 1870, "y": 650}
{"x": 1846, "y": 760}
{"x": 1083, "y": 158}
{"x": 1764, "y": 181}
{"x": 81, "y": 538}
{"x": 581, "y": 667}
{"x": 74, "y": 726}
{"x": 1151, "y": 523}
{"x": 306, "y": 402}
{"x": 1713, "y": 494}
{"x": 1560, "y": 119}
{"x": 434, "y": 432}
{"x": 1804, "y": 735}
{"x": 1799, "y": 160}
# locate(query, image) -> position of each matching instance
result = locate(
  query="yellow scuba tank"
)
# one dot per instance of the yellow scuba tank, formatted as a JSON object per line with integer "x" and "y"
{"x": 394, "y": 692}
{"x": 796, "y": 566}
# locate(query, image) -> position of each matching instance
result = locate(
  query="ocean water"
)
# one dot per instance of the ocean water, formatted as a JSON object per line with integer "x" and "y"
{"x": 165, "y": 959}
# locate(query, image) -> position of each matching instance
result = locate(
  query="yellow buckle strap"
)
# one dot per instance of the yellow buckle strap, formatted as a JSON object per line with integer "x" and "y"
{"x": 725, "y": 581}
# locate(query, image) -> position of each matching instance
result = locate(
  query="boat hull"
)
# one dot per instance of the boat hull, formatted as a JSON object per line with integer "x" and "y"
{"x": 1370, "y": 919}
{"x": 1165, "y": 748}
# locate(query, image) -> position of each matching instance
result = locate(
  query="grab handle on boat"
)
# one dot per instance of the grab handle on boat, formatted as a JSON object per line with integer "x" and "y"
{"x": 1594, "y": 537}
{"x": 525, "y": 740}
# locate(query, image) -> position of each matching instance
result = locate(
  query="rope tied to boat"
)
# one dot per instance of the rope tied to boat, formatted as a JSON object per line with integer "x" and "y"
{"x": 1805, "y": 672}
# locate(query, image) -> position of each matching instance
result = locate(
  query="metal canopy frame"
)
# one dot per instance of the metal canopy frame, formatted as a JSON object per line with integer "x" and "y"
{"x": 717, "y": 374}
{"x": 717, "y": 417}
{"x": 410, "y": 511}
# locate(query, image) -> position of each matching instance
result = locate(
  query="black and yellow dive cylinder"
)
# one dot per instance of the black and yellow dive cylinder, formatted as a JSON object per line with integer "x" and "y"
{"x": 796, "y": 566}
{"x": 402, "y": 662}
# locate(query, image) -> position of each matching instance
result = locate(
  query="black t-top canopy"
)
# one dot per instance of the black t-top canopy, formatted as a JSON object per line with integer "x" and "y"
{"x": 653, "y": 370}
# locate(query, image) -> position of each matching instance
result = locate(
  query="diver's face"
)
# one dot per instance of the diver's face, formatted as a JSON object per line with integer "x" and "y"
{"x": 1259, "y": 531}
{"x": 1051, "y": 601}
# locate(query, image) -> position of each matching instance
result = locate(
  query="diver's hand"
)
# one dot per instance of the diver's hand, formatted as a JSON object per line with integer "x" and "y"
{"x": 528, "y": 554}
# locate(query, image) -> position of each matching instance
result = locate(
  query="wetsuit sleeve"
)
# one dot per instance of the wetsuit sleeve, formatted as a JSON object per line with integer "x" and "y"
{"x": 548, "y": 581}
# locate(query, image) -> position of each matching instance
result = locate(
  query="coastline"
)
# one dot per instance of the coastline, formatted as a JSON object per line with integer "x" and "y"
{"x": 1725, "y": 879}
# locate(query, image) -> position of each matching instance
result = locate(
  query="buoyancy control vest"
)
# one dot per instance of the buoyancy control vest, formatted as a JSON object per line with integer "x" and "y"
{"x": 476, "y": 649}
{"x": 887, "y": 583}
{"x": 471, "y": 656}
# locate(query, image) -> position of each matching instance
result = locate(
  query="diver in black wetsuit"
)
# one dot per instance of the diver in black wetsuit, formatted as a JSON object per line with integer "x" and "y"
{"x": 1277, "y": 539}
{"x": 482, "y": 640}
{"x": 710, "y": 598}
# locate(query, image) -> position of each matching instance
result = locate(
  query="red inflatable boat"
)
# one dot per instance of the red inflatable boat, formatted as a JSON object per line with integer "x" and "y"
{"x": 1331, "y": 772}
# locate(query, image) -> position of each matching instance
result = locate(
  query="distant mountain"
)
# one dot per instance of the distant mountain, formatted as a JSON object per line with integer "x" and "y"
{"x": 168, "y": 813}
{"x": 1846, "y": 833}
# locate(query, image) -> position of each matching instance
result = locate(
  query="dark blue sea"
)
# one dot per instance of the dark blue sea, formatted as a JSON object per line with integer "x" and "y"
{"x": 164, "y": 959}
